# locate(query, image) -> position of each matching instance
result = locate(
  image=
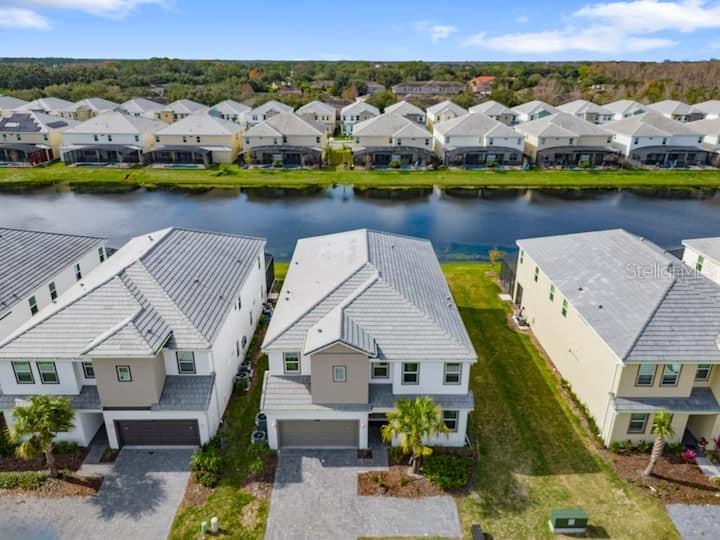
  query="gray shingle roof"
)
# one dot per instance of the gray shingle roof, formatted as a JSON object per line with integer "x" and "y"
{"x": 643, "y": 302}
{"x": 562, "y": 124}
{"x": 186, "y": 393}
{"x": 29, "y": 258}
{"x": 391, "y": 286}
{"x": 382, "y": 397}
{"x": 701, "y": 400}
{"x": 87, "y": 399}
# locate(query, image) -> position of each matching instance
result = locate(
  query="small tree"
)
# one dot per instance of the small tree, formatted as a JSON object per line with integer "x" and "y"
{"x": 662, "y": 429}
{"x": 413, "y": 422}
{"x": 36, "y": 425}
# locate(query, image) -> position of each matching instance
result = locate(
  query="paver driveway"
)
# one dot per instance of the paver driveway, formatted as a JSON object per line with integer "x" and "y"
{"x": 315, "y": 497}
{"x": 137, "y": 500}
{"x": 695, "y": 521}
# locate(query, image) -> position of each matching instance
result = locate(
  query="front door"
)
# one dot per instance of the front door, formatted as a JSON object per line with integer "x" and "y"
{"x": 518, "y": 295}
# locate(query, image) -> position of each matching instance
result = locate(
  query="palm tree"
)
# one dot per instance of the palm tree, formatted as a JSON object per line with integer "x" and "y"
{"x": 662, "y": 429}
{"x": 36, "y": 425}
{"x": 413, "y": 422}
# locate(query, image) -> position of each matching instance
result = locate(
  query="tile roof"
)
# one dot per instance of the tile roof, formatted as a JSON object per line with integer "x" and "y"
{"x": 360, "y": 107}
{"x": 46, "y": 104}
{"x": 533, "y": 107}
{"x": 317, "y": 107}
{"x": 701, "y": 400}
{"x": 271, "y": 105}
{"x": 290, "y": 394}
{"x": 141, "y": 106}
{"x": 87, "y": 399}
{"x": 286, "y": 123}
{"x": 187, "y": 106}
{"x": 186, "y": 393}
{"x": 446, "y": 105}
{"x": 709, "y": 107}
{"x": 491, "y": 108}
{"x": 200, "y": 124}
{"x": 28, "y": 259}
{"x": 644, "y": 303}
{"x": 382, "y": 397}
{"x": 671, "y": 106}
{"x": 95, "y": 104}
{"x": 230, "y": 107}
{"x": 562, "y": 124}
{"x": 475, "y": 124}
{"x": 8, "y": 103}
{"x": 390, "y": 288}
{"x": 625, "y": 106}
{"x": 583, "y": 106}
{"x": 389, "y": 125}
{"x": 117, "y": 123}
{"x": 650, "y": 124}
{"x": 404, "y": 108}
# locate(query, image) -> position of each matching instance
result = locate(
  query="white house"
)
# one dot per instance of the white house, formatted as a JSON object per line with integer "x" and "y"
{"x": 148, "y": 343}
{"x": 443, "y": 111}
{"x": 533, "y": 110}
{"x": 357, "y": 112}
{"x": 476, "y": 140}
{"x": 8, "y": 104}
{"x": 265, "y": 111}
{"x": 496, "y": 111}
{"x": 709, "y": 128}
{"x": 286, "y": 138}
{"x": 49, "y": 105}
{"x": 703, "y": 255}
{"x": 408, "y": 110}
{"x": 587, "y": 110}
{"x": 142, "y": 107}
{"x": 363, "y": 320}
{"x": 319, "y": 113}
{"x": 112, "y": 138}
{"x": 37, "y": 267}
{"x": 389, "y": 140}
{"x": 711, "y": 108}
{"x": 677, "y": 110}
{"x": 232, "y": 111}
{"x": 625, "y": 108}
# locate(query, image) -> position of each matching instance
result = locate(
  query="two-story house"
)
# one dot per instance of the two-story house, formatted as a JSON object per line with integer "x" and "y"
{"x": 113, "y": 138}
{"x": 710, "y": 108}
{"x": 266, "y": 110}
{"x": 443, "y": 111}
{"x": 625, "y": 108}
{"x": 142, "y": 107}
{"x": 587, "y": 110}
{"x": 8, "y": 104}
{"x": 408, "y": 110}
{"x": 532, "y": 110}
{"x": 363, "y": 320}
{"x": 652, "y": 139}
{"x": 496, "y": 111}
{"x": 198, "y": 140}
{"x": 476, "y": 140}
{"x": 353, "y": 114}
{"x": 564, "y": 140}
{"x": 703, "y": 254}
{"x": 390, "y": 139}
{"x": 230, "y": 110}
{"x": 633, "y": 329}
{"x": 179, "y": 110}
{"x": 89, "y": 108}
{"x": 37, "y": 267}
{"x": 30, "y": 138}
{"x": 677, "y": 110}
{"x": 285, "y": 138}
{"x": 149, "y": 343}
{"x": 709, "y": 129}
{"x": 319, "y": 113}
{"x": 48, "y": 105}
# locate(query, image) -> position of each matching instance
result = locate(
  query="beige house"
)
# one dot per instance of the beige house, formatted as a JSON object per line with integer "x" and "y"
{"x": 320, "y": 113}
{"x": 408, "y": 110}
{"x": 633, "y": 329}
{"x": 142, "y": 107}
{"x": 353, "y": 114}
{"x": 587, "y": 110}
{"x": 197, "y": 140}
{"x": 288, "y": 139}
{"x": 49, "y": 105}
{"x": 89, "y": 108}
{"x": 443, "y": 111}
{"x": 703, "y": 254}
{"x": 391, "y": 140}
{"x": 30, "y": 138}
{"x": 8, "y": 104}
{"x": 180, "y": 109}
{"x": 496, "y": 111}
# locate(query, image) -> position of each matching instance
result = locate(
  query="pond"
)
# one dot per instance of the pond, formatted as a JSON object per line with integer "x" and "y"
{"x": 460, "y": 225}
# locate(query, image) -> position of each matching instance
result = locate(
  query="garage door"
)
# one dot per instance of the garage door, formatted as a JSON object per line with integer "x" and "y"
{"x": 318, "y": 433}
{"x": 157, "y": 432}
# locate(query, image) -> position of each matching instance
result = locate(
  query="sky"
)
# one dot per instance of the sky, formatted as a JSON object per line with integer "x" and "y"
{"x": 388, "y": 30}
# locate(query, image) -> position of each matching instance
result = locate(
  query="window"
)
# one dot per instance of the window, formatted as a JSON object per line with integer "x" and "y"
{"x": 184, "y": 139}
{"x": 243, "y": 342}
{"x": 646, "y": 375}
{"x": 109, "y": 137}
{"x": 157, "y": 139}
{"x": 48, "y": 372}
{"x": 101, "y": 254}
{"x": 552, "y": 293}
{"x": 451, "y": 420}
{"x": 339, "y": 374}
{"x": 537, "y": 274}
{"x": 564, "y": 309}
{"x": 33, "y": 305}
{"x": 95, "y": 138}
{"x": 23, "y": 373}
{"x": 237, "y": 347}
{"x": 453, "y": 373}
{"x": 185, "y": 362}
{"x": 703, "y": 372}
{"x": 197, "y": 139}
{"x": 699, "y": 264}
{"x": 522, "y": 256}
{"x": 291, "y": 362}
{"x": 137, "y": 138}
{"x": 637, "y": 424}
{"x": 380, "y": 370}
{"x": 258, "y": 263}
{"x": 411, "y": 373}
{"x": 88, "y": 370}
{"x": 251, "y": 319}
{"x": 239, "y": 302}
{"x": 78, "y": 272}
{"x": 671, "y": 374}
{"x": 123, "y": 373}
{"x": 53, "y": 290}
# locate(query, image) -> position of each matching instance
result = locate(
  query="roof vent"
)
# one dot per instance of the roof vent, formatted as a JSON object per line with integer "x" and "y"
{"x": 600, "y": 306}
{"x": 150, "y": 238}
{"x": 319, "y": 330}
{"x": 580, "y": 289}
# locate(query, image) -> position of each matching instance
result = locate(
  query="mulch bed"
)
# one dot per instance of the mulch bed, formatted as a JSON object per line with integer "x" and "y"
{"x": 109, "y": 455}
{"x": 396, "y": 482}
{"x": 674, "y": 480}
{"x": 68, "y": 485}
{"x": 260, "y": 486}
{"x": 71, "y": 462}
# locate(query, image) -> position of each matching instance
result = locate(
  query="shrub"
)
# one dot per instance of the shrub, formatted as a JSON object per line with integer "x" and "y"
{"x": 644, "y": 447}
{"x": 66, "y": 447}
{"x": 689, "y": 455}
{"x": 28, "y": 480}
{"x": 7, "y": 447}
{"x": 207, "y": 465}
{"x": 674, "y": 448}
{"x": 257, "y": 454}
{"x": 277, "y": 164}
{"x": 394, "y": 164}
{"x": 240, "y": 385}
{"x": 448, "y": 471}
{"x": 397, "y": 456}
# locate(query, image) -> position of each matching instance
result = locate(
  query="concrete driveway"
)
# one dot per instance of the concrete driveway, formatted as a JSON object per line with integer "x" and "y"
{"x": 137, "y": 500}
{"x": 315, "y": 497}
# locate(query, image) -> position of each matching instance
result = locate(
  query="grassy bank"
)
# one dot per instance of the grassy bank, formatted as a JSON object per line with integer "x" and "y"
{"x": 232, "y": 176}
{"x": 534, "y": 456}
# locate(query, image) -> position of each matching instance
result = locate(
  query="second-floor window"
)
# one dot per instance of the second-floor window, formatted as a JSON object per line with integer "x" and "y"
{"x": 380, "y": 370}
{"x": 101, "y": 254}
{"x": 564, "y": 309}
{"x": 453, "y": 373}
{"x": 53, "y": 291}
{"x": 646, "y": 375}
{"x": 88, "y": 370}
{"x": 552, "y": 293}
{"x": 411, "y": 373}
{"x": 537, "y": 274}
{"x": 78, "y": 272}
{"x": 670, "y": 375}
{"x": 48, "y": 373}
{"x": 699, "y": 264}
{"x": 703, "y": 372}
{"x": 291, "y": 362}
{"x": 32, "y": 302}
{"x": 123, "y": 373}
{"x": 185, "y": 362}
{"x": 23, "y": 373}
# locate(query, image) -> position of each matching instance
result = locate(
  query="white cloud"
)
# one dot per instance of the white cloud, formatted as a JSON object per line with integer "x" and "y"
{"x": 22, "y": 18}
{"x": 109, "y": 8}
{"x": 437, "y": 32}
{"x": 522, "y": 19}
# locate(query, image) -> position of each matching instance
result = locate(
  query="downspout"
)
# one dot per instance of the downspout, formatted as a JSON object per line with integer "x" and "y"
{"x": 611, "y": 395}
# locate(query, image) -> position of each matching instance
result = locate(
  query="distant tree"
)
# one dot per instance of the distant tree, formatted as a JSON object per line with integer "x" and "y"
{"x": 465, "y": 99}
{"x": 382, "y": 100}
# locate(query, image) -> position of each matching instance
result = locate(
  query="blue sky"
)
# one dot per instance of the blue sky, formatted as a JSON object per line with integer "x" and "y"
{"x": 374, "y": 30}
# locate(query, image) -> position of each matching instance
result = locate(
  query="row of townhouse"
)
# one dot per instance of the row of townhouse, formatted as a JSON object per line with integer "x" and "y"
{"x": 632, "y": 328}
{"x": 146, "y": 343}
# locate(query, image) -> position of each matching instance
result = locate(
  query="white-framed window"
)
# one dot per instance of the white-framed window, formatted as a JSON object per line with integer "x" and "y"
{"x": 32, "y": 302}
{"x": 522, "y": 256}
{"x": 78, "y": 272}
{"x": 452, "y": 373}
{"x": 291, "y": 362}
{"x": 451, "y": 418}
{"x": 251, "y": 318}
{"x": 23, "y": 373}
{"x": 564, "y": 309}
{"x": 670, "y": 374}
{"x": 703, "y": 372}
{"x": 638, "y": 423}
{"x": 380, "y": 370}
{"x": 185, "y": 362}
{"x": 552, "y": 293}
{"x": 339, "y": 374}
{"x": 101, "y": 254}
{"x": 536, "y": 275}
{"x": 48, "y": 372}
{"x": 53, "y": 291}
{"x": 123, "y": 373}
{"x": 645, "y": 375}
{"x": 700, "y": 263}
{"x": 410, "y": 373}
{"x": 88, "y": 370}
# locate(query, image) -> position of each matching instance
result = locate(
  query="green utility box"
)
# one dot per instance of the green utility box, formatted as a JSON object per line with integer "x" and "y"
{"x": 568, "y": 520}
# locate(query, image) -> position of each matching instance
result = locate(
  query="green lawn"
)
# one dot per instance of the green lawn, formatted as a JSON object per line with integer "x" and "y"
{"x": 533, "y": 454}
{"x": 232, "y": 176}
